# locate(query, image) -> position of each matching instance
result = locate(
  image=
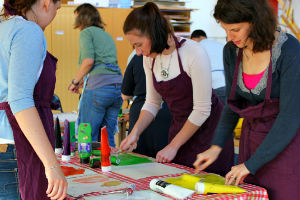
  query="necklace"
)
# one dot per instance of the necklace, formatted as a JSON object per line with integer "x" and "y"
{"x": 165, "y": 70}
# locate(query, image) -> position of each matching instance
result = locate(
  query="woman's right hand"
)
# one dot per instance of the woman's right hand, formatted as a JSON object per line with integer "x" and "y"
{"x": 57, "y": 183}
{"x": 206, "y": 158}
{"x": 130, "y": 142}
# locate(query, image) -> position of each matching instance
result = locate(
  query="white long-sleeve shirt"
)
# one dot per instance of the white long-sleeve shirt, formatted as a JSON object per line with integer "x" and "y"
{"x": 196, "y": 64}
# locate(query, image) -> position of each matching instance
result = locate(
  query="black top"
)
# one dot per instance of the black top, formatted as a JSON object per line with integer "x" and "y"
{"x": 134, "y": 81}
{"x": 285, "y": 86}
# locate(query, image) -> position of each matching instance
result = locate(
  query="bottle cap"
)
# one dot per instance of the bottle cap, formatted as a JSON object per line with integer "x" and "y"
{"x": 66, "y": 158}
{"x": 85, "y": 160}
{"x": 58, "y": 150}
{"x": 200, "y": 188}
{"x": 106, "y": 169}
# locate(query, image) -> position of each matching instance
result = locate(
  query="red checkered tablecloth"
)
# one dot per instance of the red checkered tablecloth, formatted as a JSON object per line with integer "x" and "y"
{"x": 253, "y": 192}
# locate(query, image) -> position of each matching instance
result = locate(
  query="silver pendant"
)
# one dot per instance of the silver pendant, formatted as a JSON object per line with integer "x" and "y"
{"x": 164, "y": 73}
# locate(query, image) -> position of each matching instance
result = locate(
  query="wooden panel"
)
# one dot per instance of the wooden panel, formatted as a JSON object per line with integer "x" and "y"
{"x": 66, "y": 48}
{"x": 123, "y": 46}
{"x": 48, "y": 35}
{"x": 106, "y": 16}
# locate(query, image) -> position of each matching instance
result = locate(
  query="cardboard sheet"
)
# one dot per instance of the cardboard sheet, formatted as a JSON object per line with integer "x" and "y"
{"x": 140, "y": 171}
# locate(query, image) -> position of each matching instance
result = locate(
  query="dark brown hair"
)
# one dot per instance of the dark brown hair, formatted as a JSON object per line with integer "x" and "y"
{"x": 258, "y": 13}
{"x": 87, "y": 16}
{"x": 18, "y": 7}
{"x": 150, "y": 22}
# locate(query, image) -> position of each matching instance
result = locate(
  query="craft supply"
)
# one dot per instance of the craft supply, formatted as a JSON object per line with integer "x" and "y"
{"x": 72, "y": 138}
{"x": 170, "y": 189}
{"x": 205, "y": 183}
{"x": 105, "y": 151}
{"x": 66, "y": 155}
{"x": 84, "y": 142}
{"x": 58, "y": 142}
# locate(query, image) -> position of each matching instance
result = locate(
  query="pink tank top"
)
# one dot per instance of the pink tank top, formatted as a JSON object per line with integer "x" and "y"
{"x": 252, "y": 80}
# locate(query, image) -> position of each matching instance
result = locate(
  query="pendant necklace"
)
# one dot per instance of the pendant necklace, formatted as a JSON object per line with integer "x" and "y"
{"x": 165, "y": 70}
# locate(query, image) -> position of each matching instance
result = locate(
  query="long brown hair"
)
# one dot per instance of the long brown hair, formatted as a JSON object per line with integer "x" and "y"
{"x": 257, "y": 12}
{"x": 17, "y": 7}
{"x": 150, "y": 22}
{"x": 87, "y": 16}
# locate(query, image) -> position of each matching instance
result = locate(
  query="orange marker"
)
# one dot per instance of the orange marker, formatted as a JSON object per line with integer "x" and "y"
{"x": 105, "y": 151}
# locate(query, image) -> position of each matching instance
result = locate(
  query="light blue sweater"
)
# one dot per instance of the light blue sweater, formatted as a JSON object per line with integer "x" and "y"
{"x": 22, "y": 52}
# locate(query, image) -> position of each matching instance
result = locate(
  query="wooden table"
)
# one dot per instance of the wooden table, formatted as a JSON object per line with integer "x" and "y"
{"x": 253, "y": 192}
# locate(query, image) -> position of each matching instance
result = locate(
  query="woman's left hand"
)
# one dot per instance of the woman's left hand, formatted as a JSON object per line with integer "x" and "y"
{"x": 237, "y": 174}
{"x": 167, "y": 154}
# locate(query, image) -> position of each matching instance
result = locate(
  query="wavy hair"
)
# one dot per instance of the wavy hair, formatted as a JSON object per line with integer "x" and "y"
{"x": 150, "y": 22}
{"x": 256, "y": 12}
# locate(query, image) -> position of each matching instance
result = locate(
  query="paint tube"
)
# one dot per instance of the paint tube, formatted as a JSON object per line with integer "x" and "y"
{"x": 58, "y": 142}
{"x": 84, "y": 142}
{"x": 170, "y": 189}
{"x": 72, "y": 138}
{"x": 66, "y": 155}
{"x": 105, "y": 151}
{"x": 205, "y": 188}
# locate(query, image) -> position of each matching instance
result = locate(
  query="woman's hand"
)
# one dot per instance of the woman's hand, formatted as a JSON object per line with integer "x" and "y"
{"x": 129, "y": 143}
{"x": 167, "y": 154}
{"x": 237, "y": 174}
{"x": 206, "y": 158}
{"x": 57, "y": 183}
{"x": 73, "y": 88}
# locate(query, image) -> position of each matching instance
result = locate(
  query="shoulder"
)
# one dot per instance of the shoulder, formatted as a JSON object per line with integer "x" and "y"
{"x": 192, "y": 49}
{"x": 291, "y": 46}
{"x": 27, "y": 29}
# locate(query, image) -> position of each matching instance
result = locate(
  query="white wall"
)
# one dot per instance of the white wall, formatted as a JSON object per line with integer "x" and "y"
{"x": 203, "y": 19}
{"x": 1, "y": 4}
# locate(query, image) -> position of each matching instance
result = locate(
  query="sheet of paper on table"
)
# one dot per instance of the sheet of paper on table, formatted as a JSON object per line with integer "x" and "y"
{"x": 137, "y": 195}
{"x": 140, "y": 171}
{"x": 73, "y": 171}
{"x": 94, "y": 184}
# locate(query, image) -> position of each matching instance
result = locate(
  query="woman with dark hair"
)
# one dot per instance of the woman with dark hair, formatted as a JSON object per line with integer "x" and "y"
{"x": 27, "y": 81}
{"x": 101, "y": 98}
{"x": 178, "y": 71}
{"x": 262, "y": 78}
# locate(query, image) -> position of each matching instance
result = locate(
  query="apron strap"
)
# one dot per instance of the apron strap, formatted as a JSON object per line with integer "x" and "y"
{"x": 235, "y": 76}
{"x": 269, "y": 81}
{"x": 236, "y": 70}
{"x": 178, "y": 45}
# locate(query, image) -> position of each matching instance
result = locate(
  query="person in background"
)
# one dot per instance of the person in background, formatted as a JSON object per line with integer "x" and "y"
{"x": 27, "y": 81}
{"x": 214, "y": 50}
{"x": 155, "y": 137}
{"x": 178, "y": 71}
{"x": 262, "y": 71}
{"x": 101, "y": 97}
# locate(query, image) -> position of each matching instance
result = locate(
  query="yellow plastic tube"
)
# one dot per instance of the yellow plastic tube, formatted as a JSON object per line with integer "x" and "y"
{"x": 205, "y": 188}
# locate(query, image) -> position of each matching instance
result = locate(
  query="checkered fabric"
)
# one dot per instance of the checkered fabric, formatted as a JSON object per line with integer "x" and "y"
{"x": 253, "y": 192}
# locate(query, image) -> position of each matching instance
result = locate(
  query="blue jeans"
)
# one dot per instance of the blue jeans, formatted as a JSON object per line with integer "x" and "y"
{"x": 9, "y": 186}
{"x": 100, "y": 107}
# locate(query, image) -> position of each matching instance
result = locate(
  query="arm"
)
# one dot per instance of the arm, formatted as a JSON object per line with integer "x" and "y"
{"x": 197, "y": 64}
{"x": 287, "y": 122}
{"x": 228, "y": 119}
{"x": 28, "y": 51}
{"x": 147, "y": 114}
{"x": 87, "y": 53}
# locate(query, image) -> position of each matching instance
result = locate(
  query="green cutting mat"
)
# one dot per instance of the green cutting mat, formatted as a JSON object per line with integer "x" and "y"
{"x": 131, "y": 159}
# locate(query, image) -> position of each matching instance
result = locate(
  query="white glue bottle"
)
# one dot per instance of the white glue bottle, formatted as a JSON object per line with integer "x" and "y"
{"x": 170, "y": 189}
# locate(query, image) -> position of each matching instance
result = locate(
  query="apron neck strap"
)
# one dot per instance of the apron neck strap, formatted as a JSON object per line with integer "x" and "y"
{"x": 235, "y": 76}
{"x": 177, "y": 45}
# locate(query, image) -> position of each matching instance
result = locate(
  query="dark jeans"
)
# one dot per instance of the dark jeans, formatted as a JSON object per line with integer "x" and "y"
{"x": 9, "y": 186}
{"x": 220, "y": 92}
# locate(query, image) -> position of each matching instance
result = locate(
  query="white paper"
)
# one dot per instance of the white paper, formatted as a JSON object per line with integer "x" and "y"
{"x": 137, "y": 195}
{"x": 146, "y": 170}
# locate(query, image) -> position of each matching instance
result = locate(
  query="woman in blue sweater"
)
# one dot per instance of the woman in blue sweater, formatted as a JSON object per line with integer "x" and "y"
{"x": 263, "y": 86}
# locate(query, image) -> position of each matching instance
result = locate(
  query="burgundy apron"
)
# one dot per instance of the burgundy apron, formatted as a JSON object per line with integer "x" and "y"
{"x": 281, "y": 176}
{"x": 31, "y": 171}
{"x": 178, "y": 93}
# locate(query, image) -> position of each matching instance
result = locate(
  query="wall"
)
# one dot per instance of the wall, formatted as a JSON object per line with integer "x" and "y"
{"x": 202, "y": 18}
